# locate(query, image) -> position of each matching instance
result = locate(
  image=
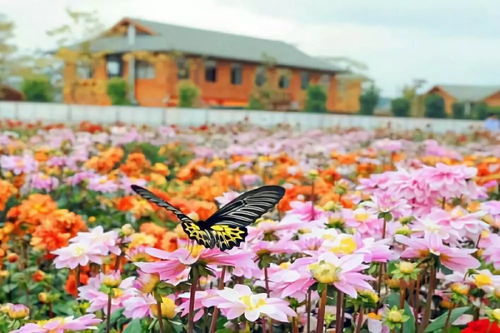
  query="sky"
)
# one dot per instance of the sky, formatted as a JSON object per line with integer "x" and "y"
{"x": 439, "y": 41}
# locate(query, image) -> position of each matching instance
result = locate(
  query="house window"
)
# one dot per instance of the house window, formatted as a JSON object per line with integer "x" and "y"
{"x": 284, "y": 81}
{"x": 210, "y": 71}
{"x": 260, "y": 76}
{"x": 182, "y": 68}
{"x": 236, "y": 74}
{"x": 304, "y": 80}
{"x": 324, "y": 80}
{"x": 114, "y": 65}
{"x": 144, "y": 70}
{"x": 84, "y": 70}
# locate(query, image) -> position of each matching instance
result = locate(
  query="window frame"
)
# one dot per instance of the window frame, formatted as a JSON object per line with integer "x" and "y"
{"x": 114, "y": 58}
{"x": 210, "y": 70}
{"x": 305, "y": 79}
{"x": 183, "y": 72}
{"x": 261, "y": 73}
{"x": 142, "y": 66}
{"x": 234, "y": 76}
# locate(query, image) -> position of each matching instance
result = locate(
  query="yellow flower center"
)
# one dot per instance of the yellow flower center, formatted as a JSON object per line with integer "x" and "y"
{"x": 361, "y": 217}
{"x": 79, "y": 250}
{"x": 346, "y": 245}
{"x": 482, "y": 280}
{"x": 285, "y": 265}
{"x": 373, "y": 315}
{"x": 324, "y": 272}
{"x": 247, "y": 300}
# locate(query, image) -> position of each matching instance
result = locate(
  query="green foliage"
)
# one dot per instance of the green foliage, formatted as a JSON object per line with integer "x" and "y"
{"x": 188, "y": 94}
{"x": 316, "y": 98}
{"x": 458, "y": 110}
{"x": 117, "y": 91}
{"x": 434, "y": 106}
{"x": 409, "y": 325}
{"x": 438, "y": 324}
{"x": 264, "y": 98}
{"x": 400, "y": 107}
{"x": 369, "y": 100}
{"x": 38, "y": 89}
{"x": 480, "y": 111}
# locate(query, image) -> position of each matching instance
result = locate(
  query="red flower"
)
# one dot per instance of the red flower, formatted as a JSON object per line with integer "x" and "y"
{"x": 481, "y": 326}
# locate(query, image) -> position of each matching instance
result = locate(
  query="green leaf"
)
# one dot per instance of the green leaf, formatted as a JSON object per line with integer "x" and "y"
{"x": 134, "y": 326}
{"x": 440, "y": 321}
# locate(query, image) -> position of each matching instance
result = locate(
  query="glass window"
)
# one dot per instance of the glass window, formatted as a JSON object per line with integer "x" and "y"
{"x": 324, "y": 80}
{"x": 144, "y": 70}
{"x": 260, "y": 76}
{"x": 182, "y": 68}
{"x": 236, "y": 74}
{"x": 284, "y": 81}
{"x": 114, "y": 65}
{"x": 304, "y": 80}
{"x": 84, "y": 70}
{"x": 210, "y": 71}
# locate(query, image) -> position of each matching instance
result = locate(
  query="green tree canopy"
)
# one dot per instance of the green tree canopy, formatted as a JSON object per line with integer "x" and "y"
{"x": 316, "y": 98}
{"x": 434, "y": 106}
{"x": 369, "y": 100}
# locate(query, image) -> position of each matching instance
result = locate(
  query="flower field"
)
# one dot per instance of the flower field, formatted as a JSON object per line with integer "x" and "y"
{"x": 377, "y": 231}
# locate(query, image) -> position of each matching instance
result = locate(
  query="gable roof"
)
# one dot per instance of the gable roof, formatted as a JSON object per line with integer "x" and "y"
{"x": 469, "y": 93}
{"x": 169, "y": 37}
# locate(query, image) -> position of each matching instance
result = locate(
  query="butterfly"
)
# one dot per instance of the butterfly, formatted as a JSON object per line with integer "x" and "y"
{"x": 226, "y": 228}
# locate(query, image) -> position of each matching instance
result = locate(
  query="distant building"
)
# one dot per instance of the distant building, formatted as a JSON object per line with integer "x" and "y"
{"x": 467, "y": 94}
{"x": 154, "y": 57}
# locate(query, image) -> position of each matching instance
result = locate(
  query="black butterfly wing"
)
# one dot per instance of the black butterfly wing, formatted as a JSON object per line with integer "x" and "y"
{"x": 228, "y": 224}
{"x": 162, "y": 203}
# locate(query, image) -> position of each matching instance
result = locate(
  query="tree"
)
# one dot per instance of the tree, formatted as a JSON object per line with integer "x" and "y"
{"x": 73, "y": 41}
{"x": 400, "y": 107}
{"x": 117, "y": 91}
{"x": 458, "y": 110}
{"x": 38, "y": 89}
{"x": 6, "y": 48}
{"x": 316, "y": 98}
{"x": 369, "y": 100}
{"x": 188, "y": 94}
{"x": 434, "y": 106}
{"x": 480, "y": 111}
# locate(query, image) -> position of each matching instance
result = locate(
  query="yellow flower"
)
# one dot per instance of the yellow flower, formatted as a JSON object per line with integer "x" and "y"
{"x": 406, "y": 267}
{"x": 43, "y": 297}
{"x": 167, "y": 308}
{"x": 496, "y": 314}
{"x": 324, "y": 272}
{"x": 373, "y": 315}
{"x": 127, "y": 230}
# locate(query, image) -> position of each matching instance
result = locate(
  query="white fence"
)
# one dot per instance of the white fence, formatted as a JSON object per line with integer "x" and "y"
{"x": 51, "y": 112}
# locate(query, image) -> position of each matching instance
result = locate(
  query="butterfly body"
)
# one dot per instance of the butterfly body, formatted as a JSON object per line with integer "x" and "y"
{"x": 226, "y": 228}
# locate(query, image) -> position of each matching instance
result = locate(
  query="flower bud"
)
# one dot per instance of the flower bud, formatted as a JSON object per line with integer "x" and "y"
{"x": 127, "y": 230}
{"x": 496, "y": 314}
{"x": 43, "y": 297}
{"x": 12, "y": 257}
{"x": 395, "y": 316}
{"x": 38, "y": 276}
{"x": 313, "y": 174}
{"x": 406, "y": 267}
{"x": 92, "y": 219}
{"x": 482, "y": 280}
{"x": 18, "y": 311}
{"x": 460, "y": 288}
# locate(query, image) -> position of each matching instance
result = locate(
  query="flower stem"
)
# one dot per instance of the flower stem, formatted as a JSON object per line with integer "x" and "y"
{"x": 192, "y": 295}
{"x": 108, "y": 318}
{"x": 215, "y": 314}
{"x": 339, "y": 322}
{"x": 313, "y": 217}
{"x": 160, "y": 317}
{"x": 359, "y": 321}
{"x": 432, "y": 286}
{"x": 321, "y": 312}
{"x": 447, "y": 324}
{"x": 77, "y": 277}
{"x": 308, "y": 309}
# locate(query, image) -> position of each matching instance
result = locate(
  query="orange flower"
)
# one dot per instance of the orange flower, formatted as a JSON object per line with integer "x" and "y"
{"x": 6, "y": 191}
{"x": 135, "y": 164}
{"x": 70, "y": 286}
